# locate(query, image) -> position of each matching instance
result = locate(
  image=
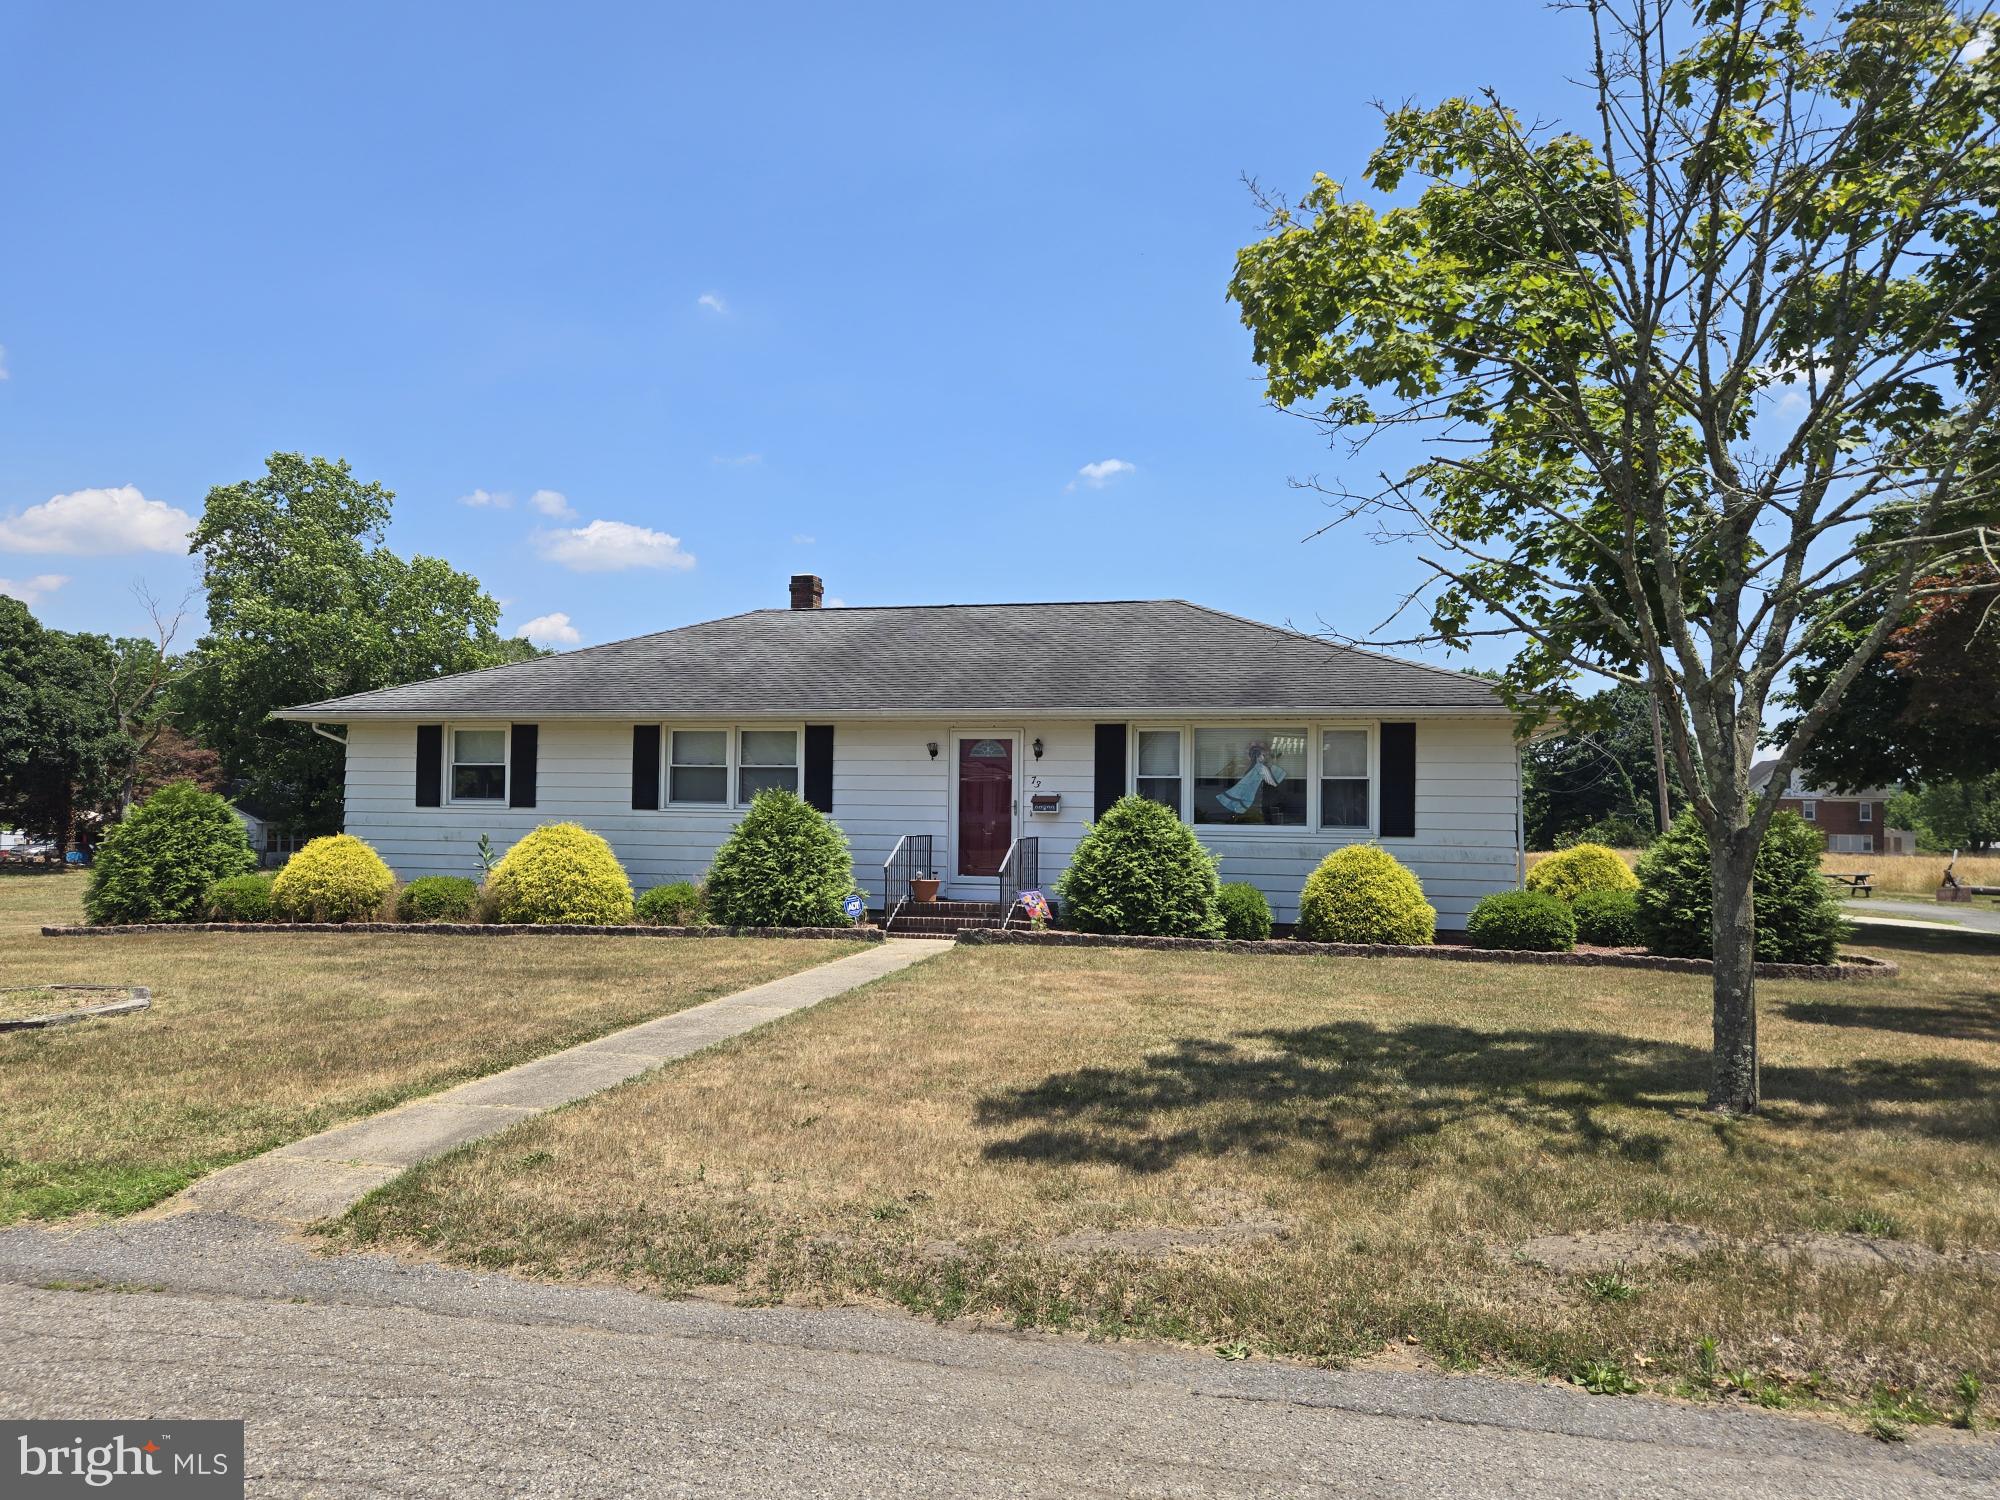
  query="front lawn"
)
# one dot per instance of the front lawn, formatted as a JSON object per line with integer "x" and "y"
{"x": 254, "y": 1041}
{"x": 1307, "y": 1157}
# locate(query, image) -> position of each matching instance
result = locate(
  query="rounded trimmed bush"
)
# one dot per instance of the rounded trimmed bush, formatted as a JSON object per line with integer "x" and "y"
{"x": 1140, "y": 870}
{"x": 1580, "y": 868}
{"x": 1523, "y": 921}
{"x": 785, "y": 865}
{"x": 1607, "y": 919}
{"x": 1798, "y": 916}
{"x": 438, "y": 898}
{"x": 680, "y": 904}
{"x": 1246, "y": 915}
{"x": 336, "y": 878}
{"x": 1362, "y": 894}
{"x": 561, "y": 874}
{"x": 240, "y": 898}
{"x": 157, "y": 863}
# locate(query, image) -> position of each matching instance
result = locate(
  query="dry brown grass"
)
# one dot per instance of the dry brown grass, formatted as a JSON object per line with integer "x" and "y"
{"x": 252, "y": 1041}
{"x": 1893, "y": 874}
{"x": 932, "y": 1138}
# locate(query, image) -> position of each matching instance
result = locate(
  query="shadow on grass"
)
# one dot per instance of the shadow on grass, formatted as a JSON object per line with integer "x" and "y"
{"x": 1943, "y": 942}
{"x": 1354, "y": 1092}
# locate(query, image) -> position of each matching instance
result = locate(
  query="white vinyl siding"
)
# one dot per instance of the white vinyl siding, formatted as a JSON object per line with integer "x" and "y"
{"x": 885, "y": 784}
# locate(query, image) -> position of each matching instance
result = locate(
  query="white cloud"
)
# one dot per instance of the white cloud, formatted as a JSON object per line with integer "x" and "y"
{"x": 5, "y": 373}
{"x": 737, "y": 461}
{"x": 800, "y": 539}
{"x": 33, "y": 590}
{"x": 551, "y": 630}
{"x": 1101, "y": 473}
{"x": 612, "y": 547}
{"x": 97, "y": 523}
{"x": 487, "y": 500}
{"x": 834, "y": 603}
{"x": 712, "y": 301}
{"x": 553, "y": 503}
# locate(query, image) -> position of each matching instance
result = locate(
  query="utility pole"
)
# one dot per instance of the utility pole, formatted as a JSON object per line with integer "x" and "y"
{"x": 1660, "y": 762}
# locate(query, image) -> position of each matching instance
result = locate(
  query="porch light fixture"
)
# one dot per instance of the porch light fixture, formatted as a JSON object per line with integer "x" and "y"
{"x": 932, "y": 747}
{"x": 1038, "y": 749}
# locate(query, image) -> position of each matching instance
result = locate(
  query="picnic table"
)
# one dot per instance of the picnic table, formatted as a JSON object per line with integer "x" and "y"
{"x": 1854, "y": 880}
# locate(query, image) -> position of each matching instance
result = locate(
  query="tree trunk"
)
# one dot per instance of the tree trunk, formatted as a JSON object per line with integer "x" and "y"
{"x": 1733, "y": 1085}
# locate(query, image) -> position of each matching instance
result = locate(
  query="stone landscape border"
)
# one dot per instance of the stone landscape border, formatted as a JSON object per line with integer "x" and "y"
{"x": 470, "y": 929}
{"x": 1854, "y": 966}
{"x": 136, "y": 997}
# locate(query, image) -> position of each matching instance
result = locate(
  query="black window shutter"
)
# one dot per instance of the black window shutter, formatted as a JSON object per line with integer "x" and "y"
{"x": 1110, "y": 784}
{"x": 819, "y": 766}
{"x": 430, "y": 765}
{"x": 646, "y": 766}
{"x": 527, "y": 744}
{"x": 1399, "y": 781}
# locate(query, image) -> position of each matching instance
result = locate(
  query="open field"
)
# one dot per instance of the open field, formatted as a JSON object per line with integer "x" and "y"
{"x": 1306, "y": 1157}
{"x": 253, "y": 1041}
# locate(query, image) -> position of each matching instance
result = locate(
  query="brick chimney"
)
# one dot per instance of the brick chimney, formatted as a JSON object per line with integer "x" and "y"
{"x": 807, "y": 591}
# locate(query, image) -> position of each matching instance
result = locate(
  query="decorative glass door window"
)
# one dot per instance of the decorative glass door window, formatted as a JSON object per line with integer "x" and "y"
{"x": 1343, "y": 778}
{"x": 698, "y": 766}
{"x": 766, "y": 758}
{"x": 478, "y": 765}
{"x": 1159, "y": 778}
{"x": 1250, "y": 776}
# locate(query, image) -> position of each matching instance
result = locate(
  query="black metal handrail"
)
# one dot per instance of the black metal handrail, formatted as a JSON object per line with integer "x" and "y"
{"x": 1020, "y": 871}
{"x": 911, "y": 855}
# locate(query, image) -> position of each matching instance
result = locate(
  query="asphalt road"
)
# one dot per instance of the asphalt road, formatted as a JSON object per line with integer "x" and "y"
{"x": 364, "y": 1376}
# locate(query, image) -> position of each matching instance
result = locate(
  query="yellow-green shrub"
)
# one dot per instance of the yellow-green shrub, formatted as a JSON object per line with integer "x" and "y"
{"x": 561, "y": 873}
{"x": 333, "y": 879}
{"x": 1580, "y": 868}
{"x": 1361, "y": 894}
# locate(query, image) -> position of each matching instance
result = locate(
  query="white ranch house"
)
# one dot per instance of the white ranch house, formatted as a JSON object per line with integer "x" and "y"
{"x": 977, "y": 739}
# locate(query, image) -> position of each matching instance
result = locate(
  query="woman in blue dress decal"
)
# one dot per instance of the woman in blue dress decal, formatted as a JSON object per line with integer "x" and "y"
{"x": 1263, "y": 772}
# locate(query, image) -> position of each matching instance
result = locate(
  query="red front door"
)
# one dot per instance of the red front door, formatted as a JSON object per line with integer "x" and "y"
{"x": 985, "y": 804}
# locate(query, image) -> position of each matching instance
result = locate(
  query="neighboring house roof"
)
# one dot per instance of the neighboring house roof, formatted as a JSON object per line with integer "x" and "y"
{"x": 1131, "y": 656}
{"x": 1760, "y": 776}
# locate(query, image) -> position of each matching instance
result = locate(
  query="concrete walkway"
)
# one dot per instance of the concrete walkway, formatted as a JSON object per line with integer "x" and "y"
{"x": 325, "y": 1174}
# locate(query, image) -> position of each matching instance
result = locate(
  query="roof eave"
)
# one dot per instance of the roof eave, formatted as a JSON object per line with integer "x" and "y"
{"x": 332, "y": 715}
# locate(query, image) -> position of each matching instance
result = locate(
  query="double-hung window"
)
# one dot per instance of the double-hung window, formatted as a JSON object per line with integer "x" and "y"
{"x": 1809, "y": 810}
{"x": 1159, "y": 767}
{"x": 479, "y": 765}
{"x": 1867, "y": 814}
{"x": 766, "y": 758}
{"x": 1343, "y": 778}
{"x": 698, "y": 766}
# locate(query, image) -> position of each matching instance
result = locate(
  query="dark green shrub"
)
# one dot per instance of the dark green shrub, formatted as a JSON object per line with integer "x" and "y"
{"x": 1245, "y": 912}
{"x": 1364, "y": 894}
{"x": 1797, "y": 912}
{"x": 1525, "y": 921}
{"x": 1140, "y": 869}
{"x": 680, "y": 904}
{"x": 1608, "y": 919}
{"x": 157, "y": 862}
{"x": 785, "y": 865}
{"x": 438, "y": 898}
{"x": 240, "y": 898}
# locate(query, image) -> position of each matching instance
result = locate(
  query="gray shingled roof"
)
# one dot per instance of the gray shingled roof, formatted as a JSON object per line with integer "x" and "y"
{"x": 1126, "y": 656}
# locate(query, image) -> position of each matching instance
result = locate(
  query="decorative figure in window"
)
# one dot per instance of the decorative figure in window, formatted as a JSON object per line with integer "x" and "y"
{"x": 1263, "y": 772}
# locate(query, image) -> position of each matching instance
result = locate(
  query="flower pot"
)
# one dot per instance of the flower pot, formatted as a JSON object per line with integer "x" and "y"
{"x": 923, "y": 890}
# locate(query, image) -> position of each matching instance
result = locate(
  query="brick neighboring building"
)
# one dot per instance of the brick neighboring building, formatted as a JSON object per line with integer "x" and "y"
{"x": 1850, "y": 822}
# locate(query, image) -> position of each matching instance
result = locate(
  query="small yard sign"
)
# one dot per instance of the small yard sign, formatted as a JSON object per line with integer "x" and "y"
{"x": 1036, "y": 905}
{"x": 855, "y": 907}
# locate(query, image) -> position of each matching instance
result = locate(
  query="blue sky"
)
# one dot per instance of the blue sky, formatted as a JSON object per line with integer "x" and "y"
{"x": 926, "y": 300}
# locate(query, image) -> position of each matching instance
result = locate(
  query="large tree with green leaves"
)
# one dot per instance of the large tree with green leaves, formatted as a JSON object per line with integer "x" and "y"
{"x": 1672, "y": 368}
{"x": 306, "y": 601}
{"x": 61, "y": 747}
{"x": 1596, "y": 777}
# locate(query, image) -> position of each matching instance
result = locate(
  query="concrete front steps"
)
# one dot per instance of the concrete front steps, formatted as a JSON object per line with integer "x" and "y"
{"x": 943, "y": 919}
